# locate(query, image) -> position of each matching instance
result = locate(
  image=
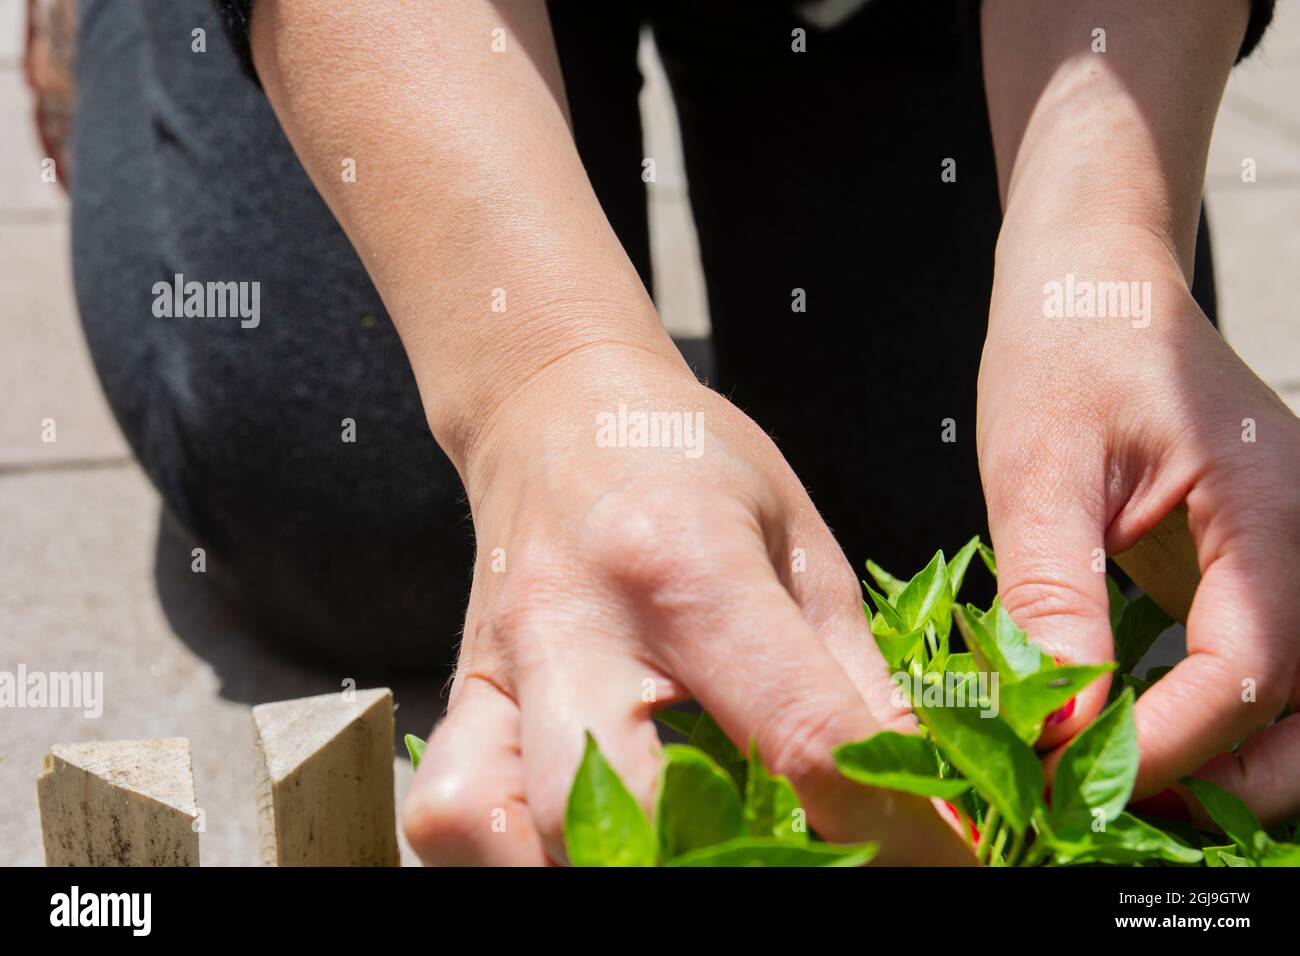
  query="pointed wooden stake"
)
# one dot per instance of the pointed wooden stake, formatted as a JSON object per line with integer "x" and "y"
{"x": 119, "y": 803}
{"x": 324, "y": 768}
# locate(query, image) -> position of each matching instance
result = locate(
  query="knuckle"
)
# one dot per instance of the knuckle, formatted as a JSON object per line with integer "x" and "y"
{"x": 1037, "y": 597}
{"x": 798, "y": 743}
{"x": 1271, "y": 686}
{"x": 649, "y": 545}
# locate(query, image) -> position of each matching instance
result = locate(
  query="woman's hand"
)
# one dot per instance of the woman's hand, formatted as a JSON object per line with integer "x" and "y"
{"x": 613, "y": 581}
{"x": 1091, "y": 430}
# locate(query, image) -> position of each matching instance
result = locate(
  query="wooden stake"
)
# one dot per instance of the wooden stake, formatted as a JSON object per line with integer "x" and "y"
{"x": 119, "y": 803}
{"x": 324, "y": 768}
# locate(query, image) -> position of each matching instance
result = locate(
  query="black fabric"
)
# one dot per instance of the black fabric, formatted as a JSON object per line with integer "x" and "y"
{"x": 236, "y": 13}
{"x": 818, "y": 173}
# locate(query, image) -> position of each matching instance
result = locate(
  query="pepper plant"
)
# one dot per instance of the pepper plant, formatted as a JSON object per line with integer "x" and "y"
{"x": 981, "y": 708}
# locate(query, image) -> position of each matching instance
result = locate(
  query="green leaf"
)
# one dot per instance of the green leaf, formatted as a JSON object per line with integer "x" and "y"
{"x": 771, "y": 804}
{"x": 998, "y": 643}
{"x": 414, "y": 747}
{"x": 1279, "y": 854}
{"x": 893, "y": 621}
{"x": 961, "y": 664}
{"x": 918, "y": 601}
{"x": 891, "y": 585}
{"x": 603, "y": 823}
{"x": 1139, "y": 685}
{"x": 711, "y": 738}
{"x": 1139, "y": 625}
{"x": 1117, "y": 602}
{"x": 756, "y": 851}
{"x": 679, "y": 721}
{"x": 1002, "y": 767}
{"x": 699, "y": 805}
{"x": 990, "y": 562}
{"x": 1223, "y": 856}
{"x": 958, "y": 565}
{"x": 1234, "y": 818}
{"x": 898, "y": 649}
{"x": 1026, "y": 704}
{"x": 1127, "y": 839}
{"x": 1097, "y": 771}
{"x": 897, "y": 762}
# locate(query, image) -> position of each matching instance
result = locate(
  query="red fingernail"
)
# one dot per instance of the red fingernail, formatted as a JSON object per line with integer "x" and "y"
{"x": 1166, "y": 804}
{"x": 957, "y": 815}
{"x": 1060, "y": 716}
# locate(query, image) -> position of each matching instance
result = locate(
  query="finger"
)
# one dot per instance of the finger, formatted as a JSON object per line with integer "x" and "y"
{"x": 754, "y": 663}
{"x": 467, "y": 806}
{"x": 1262, "y": 771}
{"x": 1238, "y": 673}
{"x": 830, "y": 598}
{"x": 1050, "y": 546}
{"x": 565, "y": 692}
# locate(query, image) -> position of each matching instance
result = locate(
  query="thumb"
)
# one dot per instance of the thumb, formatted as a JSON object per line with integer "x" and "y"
{"x": 1052, "y": 581}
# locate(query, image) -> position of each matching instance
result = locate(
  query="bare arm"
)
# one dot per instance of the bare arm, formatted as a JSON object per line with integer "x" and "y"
{"x": 467, "y": 181}
{"x": 620, "y": 567}
{"x": 1095, "y": 427}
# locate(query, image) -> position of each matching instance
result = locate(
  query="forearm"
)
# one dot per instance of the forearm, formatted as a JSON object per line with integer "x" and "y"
{"x": 1109, "y": 144}
{"x": 468, "y": 189}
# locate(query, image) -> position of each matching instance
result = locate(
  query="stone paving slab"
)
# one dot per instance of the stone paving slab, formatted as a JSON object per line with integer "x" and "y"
{"x": 23, "y": 195}
{"x": 45, "y": 370}
{"x": 1257, "y": 252}
{"x": 13, "y": 26}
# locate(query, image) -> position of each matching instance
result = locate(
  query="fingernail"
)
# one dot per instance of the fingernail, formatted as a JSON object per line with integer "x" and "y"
{"x": 1166, "y": 804}
{"x": 1060, "y": 716}
{"x": 957, "y": 815}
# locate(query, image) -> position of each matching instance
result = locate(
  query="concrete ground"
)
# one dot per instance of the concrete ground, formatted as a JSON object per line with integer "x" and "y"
{"x": 81, "y": 579}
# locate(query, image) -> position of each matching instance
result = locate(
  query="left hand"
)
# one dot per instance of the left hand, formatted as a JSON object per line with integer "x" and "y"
{"x": 1090, "y": 431}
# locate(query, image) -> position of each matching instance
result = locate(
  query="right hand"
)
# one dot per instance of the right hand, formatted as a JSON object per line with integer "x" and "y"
{"x": 635, "y": 568}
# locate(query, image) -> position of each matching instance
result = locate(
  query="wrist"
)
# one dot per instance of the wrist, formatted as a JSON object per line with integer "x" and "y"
{"x": 546, "y": 418}
{"x": 1063, "y": 275}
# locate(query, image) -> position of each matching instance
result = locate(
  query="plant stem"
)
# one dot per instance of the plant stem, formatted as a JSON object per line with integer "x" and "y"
{"x": 995, "y": 857}
{"x": 1036, "y": 852}
{"x": 986, "y": 838}
{"x": 1017, "y": 846}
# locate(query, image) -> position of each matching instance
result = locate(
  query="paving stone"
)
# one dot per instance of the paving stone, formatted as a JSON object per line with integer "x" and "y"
{"x": 23, "y": 196}
{"x": 13, "y": 30}
{"x": 45, "y": 370}
{"x": 1257, "y": 247}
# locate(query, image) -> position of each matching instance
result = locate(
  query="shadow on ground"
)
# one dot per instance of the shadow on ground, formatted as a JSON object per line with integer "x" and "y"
{"x": 252, "y": 670}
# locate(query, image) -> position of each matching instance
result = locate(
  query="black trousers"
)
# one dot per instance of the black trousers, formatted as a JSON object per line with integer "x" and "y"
{"x": 816, "y": 171}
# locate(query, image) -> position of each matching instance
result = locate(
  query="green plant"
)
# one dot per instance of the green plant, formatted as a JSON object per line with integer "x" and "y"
{"x": 981, "y": 709}
{"x": 414, "y": 747}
